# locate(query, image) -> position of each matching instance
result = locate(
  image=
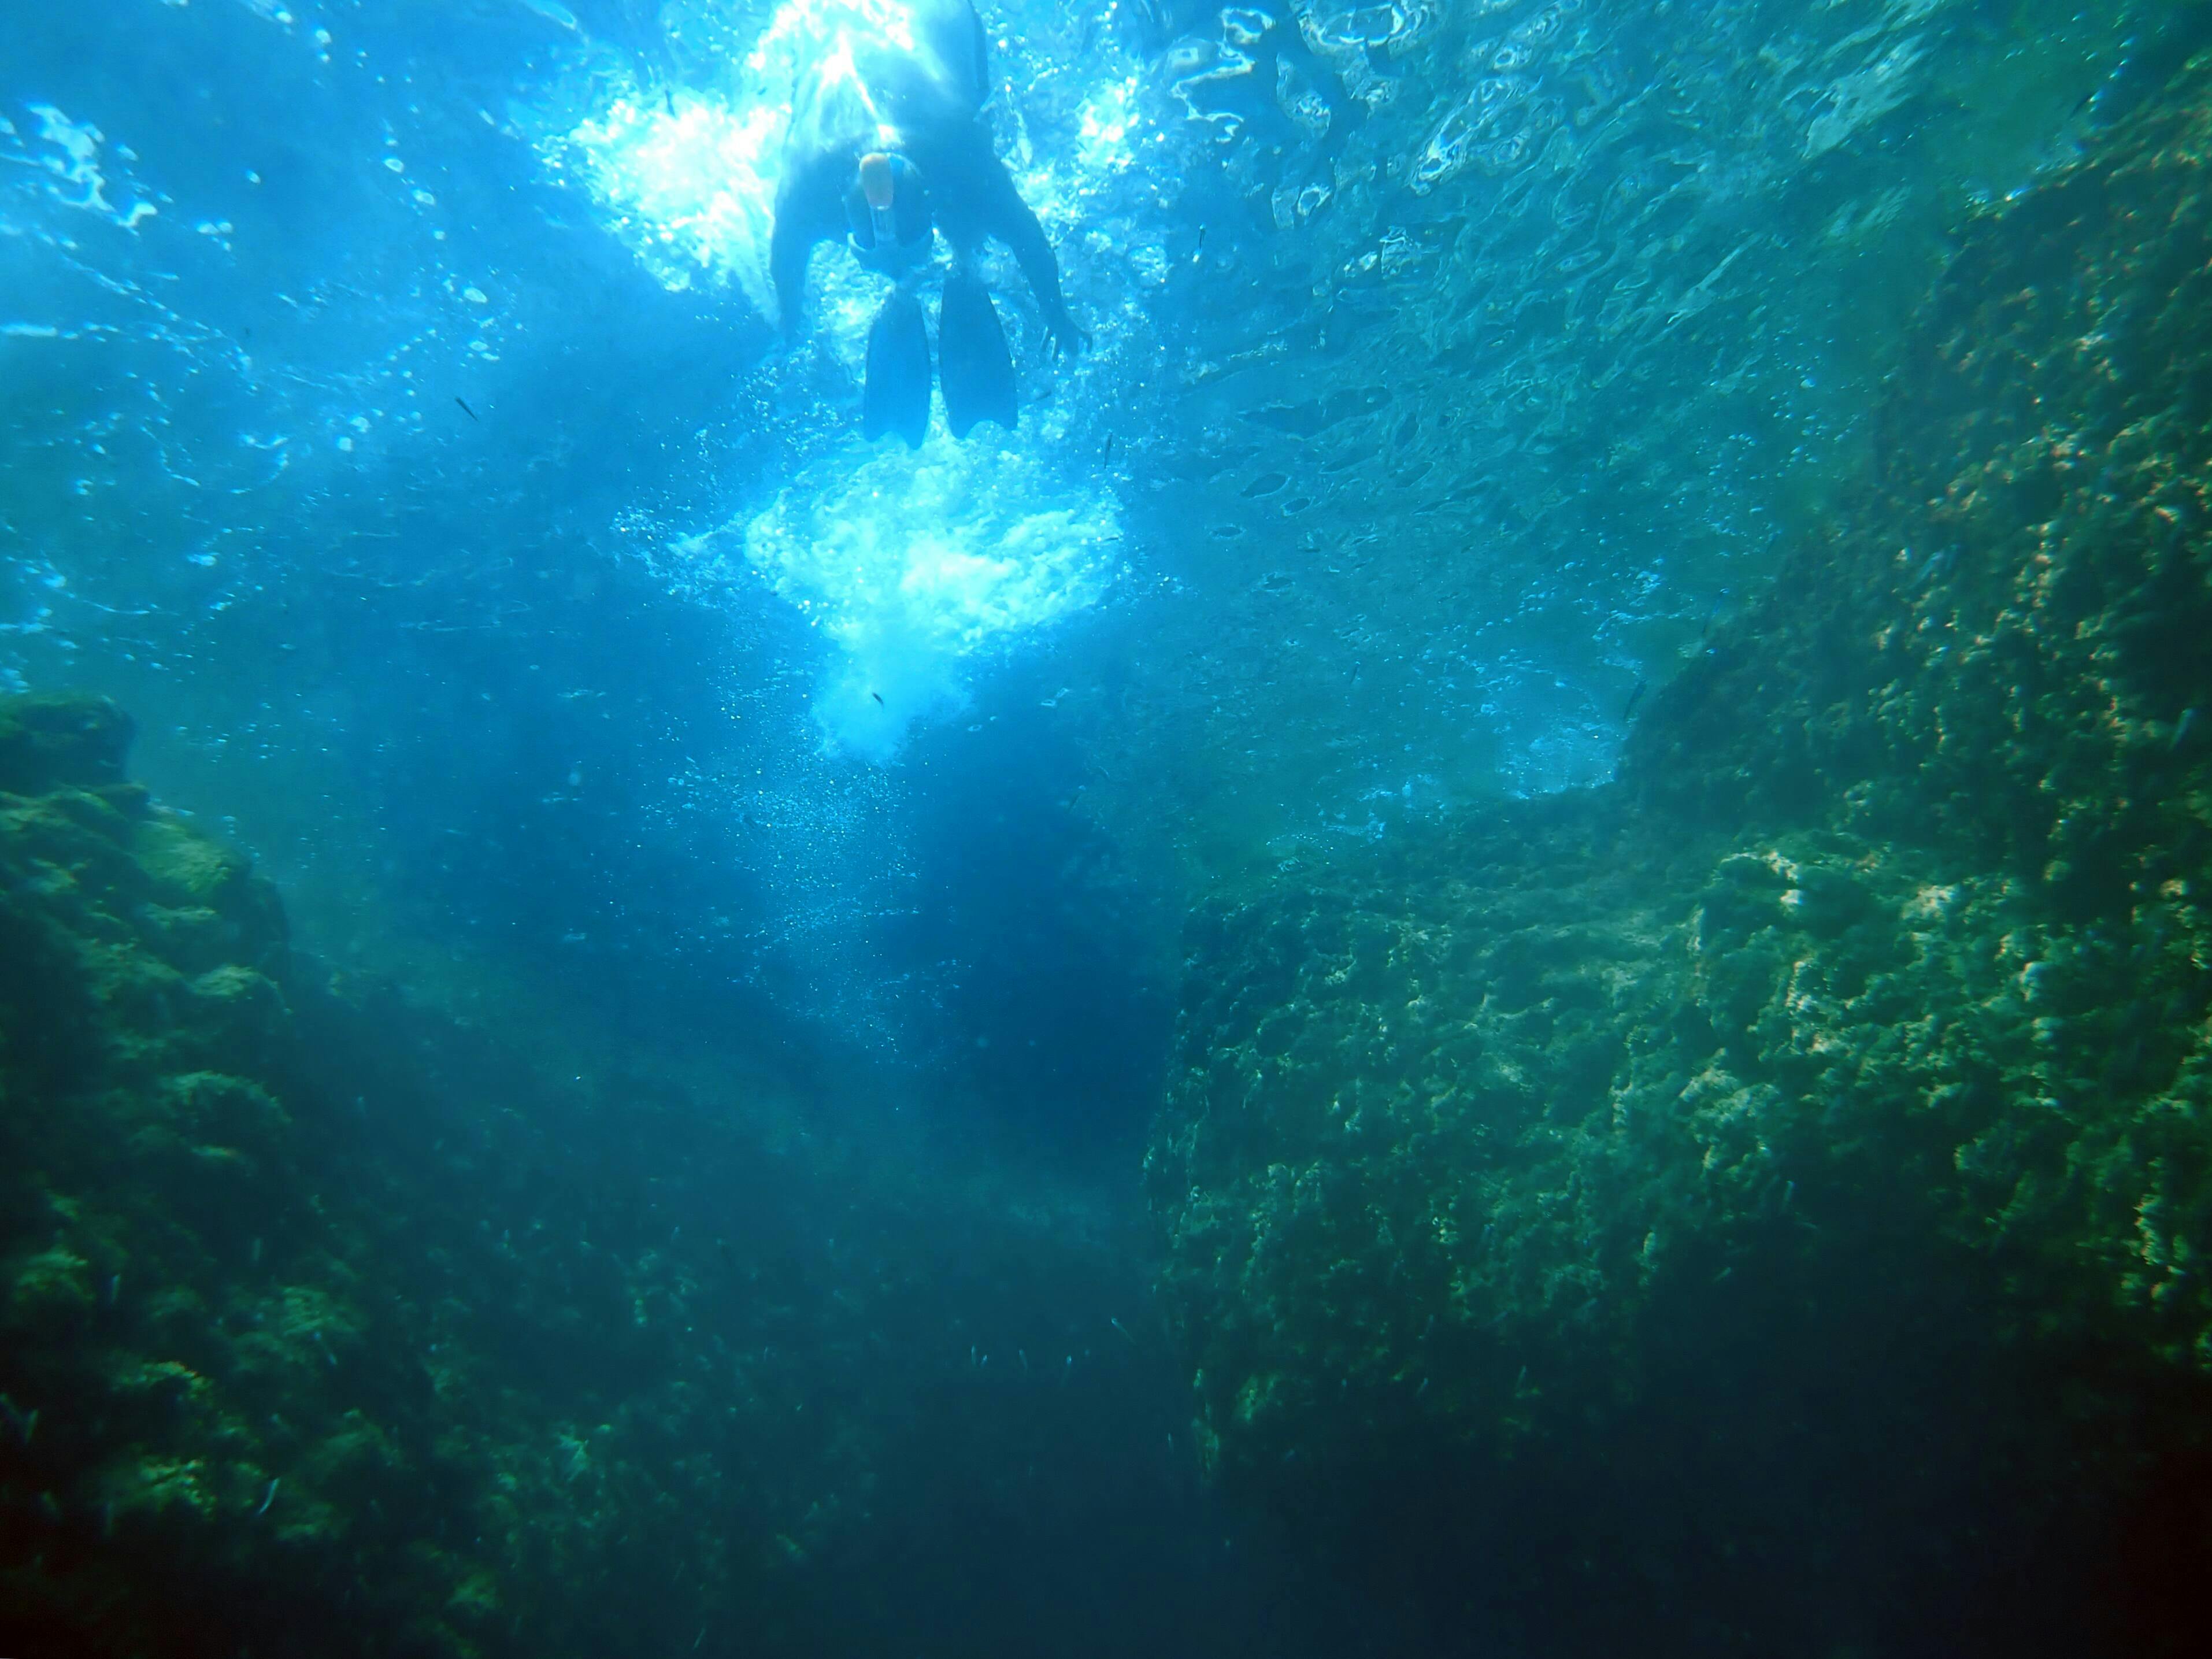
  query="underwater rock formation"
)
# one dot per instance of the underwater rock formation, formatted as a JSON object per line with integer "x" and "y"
{"x": 215, "y": 1421}
{"x": 1791, "y": 1163}
{"x": 329, "y": 1326}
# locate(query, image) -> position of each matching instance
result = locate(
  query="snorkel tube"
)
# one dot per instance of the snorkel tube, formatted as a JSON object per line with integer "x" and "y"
{"x": 887, "y": 212}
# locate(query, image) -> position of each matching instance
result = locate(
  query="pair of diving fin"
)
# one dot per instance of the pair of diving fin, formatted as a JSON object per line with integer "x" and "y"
{"x": 975, "y": 366}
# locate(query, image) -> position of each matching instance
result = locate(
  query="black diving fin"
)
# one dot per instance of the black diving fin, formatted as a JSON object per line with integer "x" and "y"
{"x": 971, "y": 357}
{"x": 896, "y": 396}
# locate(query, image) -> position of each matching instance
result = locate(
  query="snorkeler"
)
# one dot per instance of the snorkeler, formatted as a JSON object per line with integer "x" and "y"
{"x": 888, "y": 146}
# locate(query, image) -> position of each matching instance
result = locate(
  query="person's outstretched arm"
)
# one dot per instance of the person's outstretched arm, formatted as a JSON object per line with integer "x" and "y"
{"x": 1007, "y": 217}
{"x": 807, "y": 209}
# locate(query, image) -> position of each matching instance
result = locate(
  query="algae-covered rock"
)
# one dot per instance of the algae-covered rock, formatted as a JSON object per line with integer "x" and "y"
{"x": 44, "y": 1288}
{"x": 149, "y": 1170}
{"x": 1835, "y": 1082}
{"x": 330, "y": 1324}
{"x": 58, "y": 738}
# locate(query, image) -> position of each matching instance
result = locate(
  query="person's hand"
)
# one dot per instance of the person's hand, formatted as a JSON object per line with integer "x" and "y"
{"x": 1067, "y": 337}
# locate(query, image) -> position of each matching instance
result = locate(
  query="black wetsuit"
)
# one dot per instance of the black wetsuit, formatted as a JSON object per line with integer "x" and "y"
{"x": 925, "y": 104}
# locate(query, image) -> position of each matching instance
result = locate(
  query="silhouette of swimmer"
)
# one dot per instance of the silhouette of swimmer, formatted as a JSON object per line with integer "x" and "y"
{"x": 888, "y": 146}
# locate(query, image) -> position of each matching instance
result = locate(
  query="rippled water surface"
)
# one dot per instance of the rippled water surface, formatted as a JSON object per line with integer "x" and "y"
{"x": 1455, "y": 366}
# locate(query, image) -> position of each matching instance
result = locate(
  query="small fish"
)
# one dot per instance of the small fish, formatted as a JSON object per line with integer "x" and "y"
{"x": 670, "y": 97}
{"x": 878, "y": 696}
{"x": 465, "y": 410}
{"x": 1201, "y": 248}
{"x": 1634, "y": 697}
{"x": 1107, "y": 458}
{"x": 1937, "y": 563}
{"x": 553, "y": 12}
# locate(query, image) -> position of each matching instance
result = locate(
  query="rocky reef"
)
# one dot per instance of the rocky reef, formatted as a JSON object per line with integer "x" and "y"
{"x": 1764, "y": 1204}
{"x": 230, "y": 1402}
{"x": 332, "y": 1325}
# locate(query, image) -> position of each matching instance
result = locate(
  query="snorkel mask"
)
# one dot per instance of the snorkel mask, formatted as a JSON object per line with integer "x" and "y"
{"x": 887, "y": 210}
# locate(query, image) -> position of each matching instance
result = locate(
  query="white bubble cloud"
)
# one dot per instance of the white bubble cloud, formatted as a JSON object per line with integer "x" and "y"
{"x": 915, "y": 564}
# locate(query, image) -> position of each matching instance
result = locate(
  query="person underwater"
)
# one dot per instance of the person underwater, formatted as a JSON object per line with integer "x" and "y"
{"x": 888, "y": 148}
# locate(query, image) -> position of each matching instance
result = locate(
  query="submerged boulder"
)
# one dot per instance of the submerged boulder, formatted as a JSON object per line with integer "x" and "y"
{"x": 1794, "y": 1159}
{"x": 56, "y": 738}
{"x": 155, "y": 1213}
{"x": 333, "y": 1324}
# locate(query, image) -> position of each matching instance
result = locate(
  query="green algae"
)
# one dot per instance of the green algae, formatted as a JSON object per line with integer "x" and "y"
{"x": 1862, "y": 1030}
{"x": 329, "y": 1323}
{"x": 51, "y": 1286}
{"x": 50, "y": 738}
{"x": 218, "y": 1360}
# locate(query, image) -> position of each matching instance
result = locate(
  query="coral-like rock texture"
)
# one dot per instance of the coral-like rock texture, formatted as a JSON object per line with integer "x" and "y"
{"x": 332, "y": 1325}
{"x": 270, "y": 1378}
{"x": 1722, "y": 1194}
{"x": 195, "y": 1388}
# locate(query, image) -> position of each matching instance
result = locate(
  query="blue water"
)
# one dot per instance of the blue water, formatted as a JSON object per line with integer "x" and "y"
{"x": 393, "y": 416}
{"x": 1427, "y": 419}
